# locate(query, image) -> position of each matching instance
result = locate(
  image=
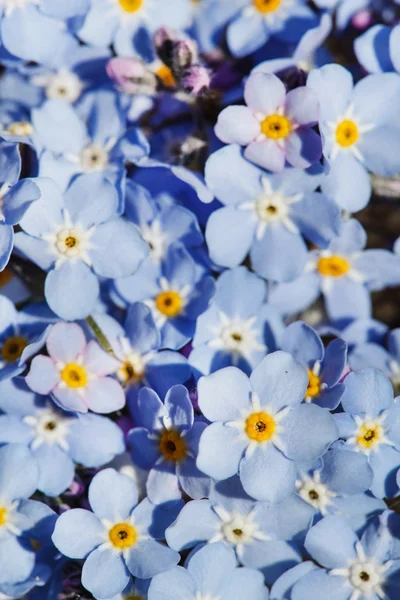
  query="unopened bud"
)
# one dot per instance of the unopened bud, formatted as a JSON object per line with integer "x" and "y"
{"x": 184, "y": 55}
{"x": 196, "y": 80}
{"x": 131, "y": 75}
{"x": 164, "y": 40}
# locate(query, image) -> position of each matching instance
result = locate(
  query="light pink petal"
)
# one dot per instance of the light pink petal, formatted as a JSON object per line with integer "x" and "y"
{"x": 65, "y": 342}
{"x": 237, "y": 125}
{"x": 104, "y": 395}
{"x": 43, "y": 375}
{"x": 264, "y": 93}
{"x": 98, "y": 361}
{"x": 69, "y": 399}
{"x": 302, "y": 106}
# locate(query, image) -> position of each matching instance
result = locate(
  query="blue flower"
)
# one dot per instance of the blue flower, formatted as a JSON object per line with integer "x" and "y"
{"x": 370, "y": 424}
{"x": 325, "y": 368}
{"x": 274, "y": 127}
{"x": 358, "y": 130}
{"x": 70, "y": 237}
{"x": 76, "y": 373}
{"x": 161, "y": 222}
{"x": 56, "y": 439}
{"x": 22, "y": 522}
{"x": 69, "y": 146}
{"x": 211, "y": 573}
{"x": 258, "y": 20}
{"x": 21, "y": 336}
{"x": 127, "y": 24}
{"x": 259, "y": 426}
{"x": 15, "y": 197}
{"x": 266, "y": 215}
{"x": 352, "y": 568}
{"x": 238, "y": 328}
{"x": 174, "y": 290}
{"x": 255, "y": 530}
{"x": 75, "y": 75}
{"x": 336, "y": 485}
{"x": 345, "y": 273}
{"x": 136, "y": 345}
{"x": 165, "y": 442}
{"x": 118, "y": 538}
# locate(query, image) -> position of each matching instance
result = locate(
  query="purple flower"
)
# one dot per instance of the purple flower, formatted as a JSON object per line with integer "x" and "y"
{"x": 274, "y": 126}
{"x": 76, "y": 373}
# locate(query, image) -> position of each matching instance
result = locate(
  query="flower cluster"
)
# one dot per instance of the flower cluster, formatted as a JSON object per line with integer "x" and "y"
{"x": 199, "y": 322}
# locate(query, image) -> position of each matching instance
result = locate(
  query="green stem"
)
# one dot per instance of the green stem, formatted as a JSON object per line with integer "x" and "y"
{"x": 100, "y": 335}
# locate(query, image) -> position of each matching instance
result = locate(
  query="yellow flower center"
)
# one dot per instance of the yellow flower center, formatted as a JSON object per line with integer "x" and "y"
{"x": 133, "y": 598}
{"x": 13, "y": 348}
{"x": 165, "y": 74}
{"x": 169, "y": 303}
{"x": 20, "y": 128}
{"x": 5, "y": 277}
{"x": 3, "y": 516}
{"x": 266, "y": 6}
{"x": 260, "y": 427}
{"x": 70, "y": 241}
{"x": 369, "y": 435}
{"x": 314, "y": 385}
{"x": 347, "y": 133}
{"x": 173, "y": 446}
{"x": 334, "y": 266}
{"x": 131, "y": 6}
{"x": 123, "y": 535}
{"x": 74, "y": 375}
{"x": 276, "y": 127}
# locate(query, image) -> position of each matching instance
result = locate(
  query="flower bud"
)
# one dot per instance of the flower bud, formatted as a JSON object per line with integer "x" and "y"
{"x": 196, "y": 80}
{"x": 131, "y": 75}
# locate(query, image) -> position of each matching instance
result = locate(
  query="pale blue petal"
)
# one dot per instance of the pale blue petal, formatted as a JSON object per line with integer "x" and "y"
{"x": 68, "y": 538}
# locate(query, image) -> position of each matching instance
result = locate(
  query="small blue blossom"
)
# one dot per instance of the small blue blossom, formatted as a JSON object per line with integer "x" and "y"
{"x": 258, "y": 20}
{"x": 165, "y": 442}
{"x": 70, "y": 237}
{"x": 117, "y": 538}
{"x": 255, "y": 530}
{"x": 211, "y": 573}
{"x": 266, "y": 215}
{"x": 345, "y": 273}
{"x": 260, "y": 426}
{"x": 369, "y": 424}
{"x": 70, "y": 146}
{"x": 56, "y": 439}
{"x": 160, "y": 222}
{"x": 127, "y": 24}
{"x": 238, "y": 328}
{"x": 136, "y": 345}
{"x": 174, "y": 290}
{"x": 358, "y": 130}
{"x": 352, "y": 568}
{"x": 325, "y": 367}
